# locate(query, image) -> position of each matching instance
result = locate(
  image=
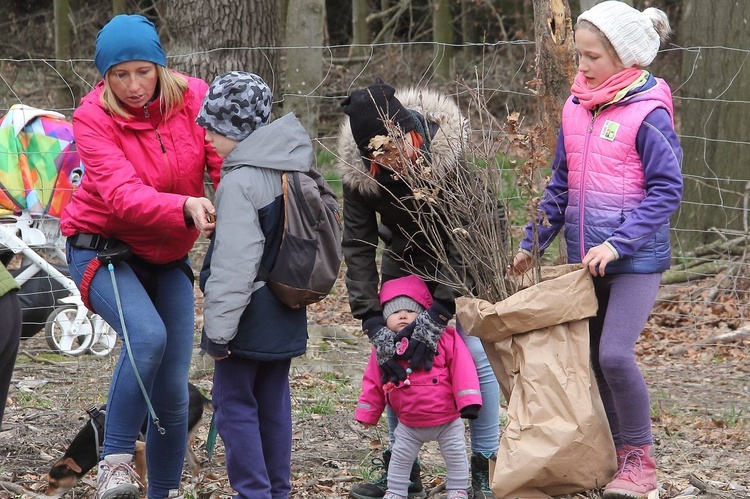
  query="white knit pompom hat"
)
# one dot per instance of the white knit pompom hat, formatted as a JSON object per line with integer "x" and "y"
{"x": 630, "y": 31}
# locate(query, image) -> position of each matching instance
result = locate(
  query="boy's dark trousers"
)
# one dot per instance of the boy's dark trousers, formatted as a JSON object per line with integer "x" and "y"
{"x": 253, "y": 412}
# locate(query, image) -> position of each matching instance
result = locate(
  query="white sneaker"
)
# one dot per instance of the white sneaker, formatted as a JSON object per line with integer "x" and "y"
{"x": 116, "y": 478}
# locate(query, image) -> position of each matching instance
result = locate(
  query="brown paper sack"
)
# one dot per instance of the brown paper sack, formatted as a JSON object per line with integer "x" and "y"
{"x": 557, "y": 440}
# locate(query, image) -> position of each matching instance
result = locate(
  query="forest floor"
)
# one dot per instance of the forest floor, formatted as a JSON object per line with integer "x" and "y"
{"x": 700, "y": 391}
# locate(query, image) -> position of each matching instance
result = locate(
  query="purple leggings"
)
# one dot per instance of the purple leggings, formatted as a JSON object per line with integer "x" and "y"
{"x": 625, "y": 302}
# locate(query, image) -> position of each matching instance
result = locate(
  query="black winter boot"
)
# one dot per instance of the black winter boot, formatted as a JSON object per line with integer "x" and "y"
{"x": 416, "y": 489}
{"x": 480, "y": 476}
{"x": 376, "y": 489}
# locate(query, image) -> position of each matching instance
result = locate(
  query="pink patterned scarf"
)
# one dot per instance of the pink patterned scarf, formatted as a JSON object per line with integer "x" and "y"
{"x": 590, "y": 98}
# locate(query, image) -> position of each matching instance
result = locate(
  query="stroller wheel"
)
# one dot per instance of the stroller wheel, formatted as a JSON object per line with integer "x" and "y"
{"x": 61, "y": 334}
{"x": 105, "y": 337}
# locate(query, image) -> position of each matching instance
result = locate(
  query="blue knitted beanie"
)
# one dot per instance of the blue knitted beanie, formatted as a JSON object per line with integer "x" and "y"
{"x": 128, "y": 38}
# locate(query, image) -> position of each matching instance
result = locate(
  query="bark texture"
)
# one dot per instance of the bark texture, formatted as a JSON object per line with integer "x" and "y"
{"x": 206, "y": 39}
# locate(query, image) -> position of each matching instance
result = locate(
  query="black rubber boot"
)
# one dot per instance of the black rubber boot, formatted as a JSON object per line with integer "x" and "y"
{"x": 416, "y": 489}
{"x": 480, "y": 476}
{"x": 376, "y": 489}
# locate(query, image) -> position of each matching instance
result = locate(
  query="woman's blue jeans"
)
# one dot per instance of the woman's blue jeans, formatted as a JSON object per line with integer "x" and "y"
{"x": 160, "y": 328}
{"x": 485, "y": 430}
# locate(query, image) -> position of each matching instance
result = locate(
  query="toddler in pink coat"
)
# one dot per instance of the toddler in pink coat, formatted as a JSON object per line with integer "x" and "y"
{"x": 429, "y": 404}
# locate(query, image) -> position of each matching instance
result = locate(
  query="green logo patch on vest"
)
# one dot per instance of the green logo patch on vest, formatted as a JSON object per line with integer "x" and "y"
{"x": 609, "y": 130}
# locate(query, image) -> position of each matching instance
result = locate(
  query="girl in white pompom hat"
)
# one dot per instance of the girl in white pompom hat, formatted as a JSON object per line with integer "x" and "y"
{"x": 616, "y": 181}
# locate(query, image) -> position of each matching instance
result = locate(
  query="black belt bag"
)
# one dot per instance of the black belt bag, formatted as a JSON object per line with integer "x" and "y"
{"x": 108, "y": 250}
{"x": 113, "y": 251}
{"x": 88, "y": 241}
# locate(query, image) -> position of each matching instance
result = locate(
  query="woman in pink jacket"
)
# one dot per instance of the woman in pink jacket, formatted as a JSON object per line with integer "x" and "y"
{"x": 140, "y": 207}
{"x": 429, "y": 404}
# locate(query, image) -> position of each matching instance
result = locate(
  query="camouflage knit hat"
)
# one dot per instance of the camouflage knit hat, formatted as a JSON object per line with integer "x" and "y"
{"x": 236, "y": 104}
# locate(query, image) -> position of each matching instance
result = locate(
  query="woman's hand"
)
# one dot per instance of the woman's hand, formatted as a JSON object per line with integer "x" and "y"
{"x": 597, "y": 258}
{"x": 199, "y": 210}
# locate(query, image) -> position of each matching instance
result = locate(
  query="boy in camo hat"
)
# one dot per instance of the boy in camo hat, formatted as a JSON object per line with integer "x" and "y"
{"x": 237, "y": 104}
{"x": 251, "y": 335}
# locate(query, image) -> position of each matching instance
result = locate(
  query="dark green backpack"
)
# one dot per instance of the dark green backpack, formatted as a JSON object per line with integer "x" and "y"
{"x": 310, "y": 254}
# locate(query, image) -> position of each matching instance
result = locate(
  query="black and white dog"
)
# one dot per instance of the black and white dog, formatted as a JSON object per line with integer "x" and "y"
{"x": 83, "y": 452}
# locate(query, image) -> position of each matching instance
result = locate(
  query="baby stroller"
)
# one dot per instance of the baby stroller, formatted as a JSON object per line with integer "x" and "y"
{"x": 39, "y": 171}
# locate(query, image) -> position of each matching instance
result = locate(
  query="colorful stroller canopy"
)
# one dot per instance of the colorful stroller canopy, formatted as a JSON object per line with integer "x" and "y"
{"x": 39, "y": 165}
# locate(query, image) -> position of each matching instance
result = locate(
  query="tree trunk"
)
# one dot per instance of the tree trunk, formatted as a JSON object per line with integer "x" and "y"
{"x": 714, "y": 123}
{"x": 555, "y": 63}
{"x": 119, "y": 7}
{"x": 304, "y": 63}
{"x": 555, "y": 70}
{"x": 360, "y": 33}
{"x": 468, "y": 26}
{"x": 442, "y": 35}
{"x": 67, "y": 92}
{"x": 283, "y": 12}
{"x": 228, "y": 36}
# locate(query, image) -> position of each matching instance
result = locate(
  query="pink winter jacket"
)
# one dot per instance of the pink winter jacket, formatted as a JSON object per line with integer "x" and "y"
{"x": 617, "y": 192}
{"x": 139, "y": 173}
{"x": 433, "y": 397}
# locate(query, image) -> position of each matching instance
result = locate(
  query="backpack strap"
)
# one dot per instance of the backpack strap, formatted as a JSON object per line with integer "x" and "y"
{"x": 263, "y": 271}
{"x": 285, "y": 191}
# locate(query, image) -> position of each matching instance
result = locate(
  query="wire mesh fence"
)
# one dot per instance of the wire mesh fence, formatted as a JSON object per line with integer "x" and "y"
{"x": 702, "y": 308}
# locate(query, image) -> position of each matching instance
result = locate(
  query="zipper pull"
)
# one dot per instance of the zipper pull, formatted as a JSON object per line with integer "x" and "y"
{"x": 145, "y": 111}
{"x": 163, "y": 149}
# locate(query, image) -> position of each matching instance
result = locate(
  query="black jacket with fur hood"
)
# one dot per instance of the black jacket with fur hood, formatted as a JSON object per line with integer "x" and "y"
{"x": 370, "y": 201}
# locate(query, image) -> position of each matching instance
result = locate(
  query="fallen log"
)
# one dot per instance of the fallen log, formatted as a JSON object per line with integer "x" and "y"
{"x": 13, "y": 488}
{"x": 708, "y": 489}
{"x": 735, "y": 246}
{"x": 729, "y": 337}
{"x": 696, "y": 273}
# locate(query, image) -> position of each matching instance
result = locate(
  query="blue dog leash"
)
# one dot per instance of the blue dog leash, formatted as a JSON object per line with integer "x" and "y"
{"x": 126, "y": 340}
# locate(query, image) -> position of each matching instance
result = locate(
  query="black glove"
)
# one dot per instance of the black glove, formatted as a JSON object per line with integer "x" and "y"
{"x": 424, "y": 334}
{"x": 470, "y": 411}
{"x": 384, "y": 341}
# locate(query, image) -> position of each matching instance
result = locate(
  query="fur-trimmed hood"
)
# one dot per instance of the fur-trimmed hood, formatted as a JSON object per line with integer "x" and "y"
{"x": 447, "y": 144}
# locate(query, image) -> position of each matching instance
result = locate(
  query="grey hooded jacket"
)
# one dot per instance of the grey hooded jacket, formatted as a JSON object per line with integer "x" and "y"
{"x": 240, "y": 314}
